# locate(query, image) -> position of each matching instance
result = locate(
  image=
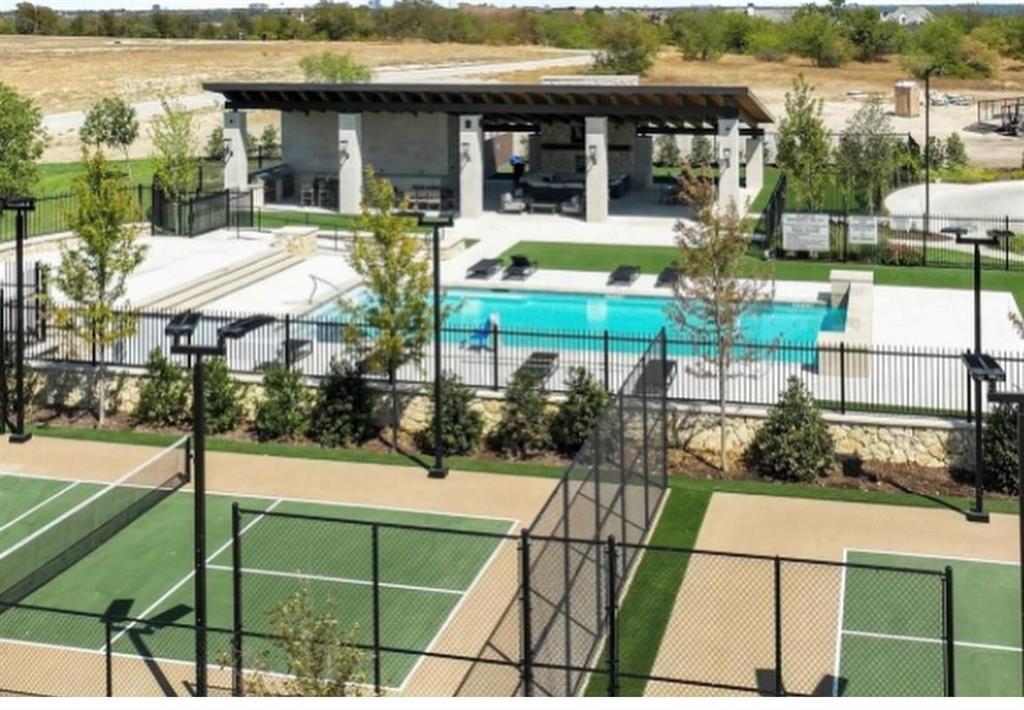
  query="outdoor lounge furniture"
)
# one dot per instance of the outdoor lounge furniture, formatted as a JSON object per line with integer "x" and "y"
{"x": 573, "y": 206}
{"x": 669, "y": 276}
{"x": 656, "y": 378}
{"x": 511, "y": 205}
{"x": 520, "y": 267}
{"x": 543, "y": 206}
{"x": 480, "y": 338}
{"x": 541, "y": 363}
{"x": 623, "y": 275}
{"x": 484, "y": 269}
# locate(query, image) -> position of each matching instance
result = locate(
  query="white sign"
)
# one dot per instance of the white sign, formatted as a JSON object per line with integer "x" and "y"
{"x": 862, "y": 230}
{"x": 804, "y": 232}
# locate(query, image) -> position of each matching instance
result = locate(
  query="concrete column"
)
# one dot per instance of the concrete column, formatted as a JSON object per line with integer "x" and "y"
{"x": 534, "y": 150}
{"x": 471, "y": 166}
{"x": 729, "y": 177}
{"x": 642, "y": 175}
{"x": 350, "y": 163}
{"x": 236, "y": 167}
{"x": 755, "y": 166}
{"x": 595, "y": 153}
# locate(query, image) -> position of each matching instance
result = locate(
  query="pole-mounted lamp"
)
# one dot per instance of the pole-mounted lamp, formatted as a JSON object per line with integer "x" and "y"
{"x": 21, "y": 206}
{"x": 592, "y": 154}
{"x": 726, "y": 157}
{"x": 343, "y": 154}
{"x": 933, "y": 69}
{"x": 436, "y": 224}
{"x": 227, "y": 150}
{"x": 180, "y": 329}
{"x": 981, "y": 368}
{"x": 466, "y": 156}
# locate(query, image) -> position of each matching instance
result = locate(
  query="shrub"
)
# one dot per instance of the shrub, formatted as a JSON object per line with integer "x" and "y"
{"x": 343, "y": 410}
{"x": 956, "y": 153}
{"x": 523, "y": 429}
{"x": 899, "y": 255}
{"x": 461, "y": 423}
{"x": 1000, "y": 456}
{"x": 578, "y": 414}
{"x": 794, "y": 444}
{"x": 225, "y": 397}
{"x": 164, "y": 396}
{"x": 282, "y": 412}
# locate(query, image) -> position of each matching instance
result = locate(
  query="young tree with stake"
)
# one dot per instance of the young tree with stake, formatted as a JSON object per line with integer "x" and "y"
{"x": 112, "y": 122}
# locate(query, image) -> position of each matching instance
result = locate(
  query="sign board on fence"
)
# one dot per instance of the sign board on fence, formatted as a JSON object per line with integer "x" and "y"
{"x": 804, "y": 232}
{"x": 862, "y": 230}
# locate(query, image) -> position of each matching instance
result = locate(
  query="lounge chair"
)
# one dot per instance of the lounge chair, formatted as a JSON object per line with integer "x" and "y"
{"x": 480, "y": 338}
{"x": 573, "y": 206}
{"x": 542, "y": 364}
{"x": 484, "y": 269}
{"x": 656, "y": 378}
{"x": 511, "y": 204}
{"x": 623, "y": 275}
{"x": 669, "y": 276}
{"x": 520, "y": 268}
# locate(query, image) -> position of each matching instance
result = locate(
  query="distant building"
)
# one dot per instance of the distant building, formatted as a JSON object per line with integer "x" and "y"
{"x": 258, "y": 7}
{"x": 772, "y": 14}
{"x": 908, "y": 15}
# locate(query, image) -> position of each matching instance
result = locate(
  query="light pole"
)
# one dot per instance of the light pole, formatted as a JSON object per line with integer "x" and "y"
{"x": 976, "y": 366}
{"x": 933, "y": 69}
{"x": 180, "y": 327}
{"x": 436, "y": 223}
{"x": 21, "y": 206}
{"x": 1017, "y": 399}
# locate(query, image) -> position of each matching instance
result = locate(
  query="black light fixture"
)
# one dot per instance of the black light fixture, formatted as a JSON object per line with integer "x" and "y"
{"x": 436, "y": 223}
{"x": 933, "y": 69}
{"x": 981, "y": 368}
{"x": 180, "y": 329}
{"x": 1017, "y": 399}
{"x": 21, "y": 206}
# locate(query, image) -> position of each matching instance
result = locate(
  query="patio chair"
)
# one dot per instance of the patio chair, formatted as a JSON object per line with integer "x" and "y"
{"x": 669, "y": 276}
{"x": 573, "y": 206}
{"x": 541, "y": 363}
{"x": 520, "y": 268}
{"x": 623, "y": 275}
{"x": 511, "y": 205}
{"x": 480, "y": 338}
{"x": 656, "y": 378}
{"x": 484, "y": 269}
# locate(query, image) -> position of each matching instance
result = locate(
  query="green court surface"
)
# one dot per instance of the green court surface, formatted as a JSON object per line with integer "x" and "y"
{"x": 145, "y": 571}
{"x": 891, "y": 638}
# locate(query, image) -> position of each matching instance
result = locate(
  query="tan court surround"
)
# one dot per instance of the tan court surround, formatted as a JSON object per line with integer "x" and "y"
{"x": 516, "y": 497}
{"x": 716, "y": 606}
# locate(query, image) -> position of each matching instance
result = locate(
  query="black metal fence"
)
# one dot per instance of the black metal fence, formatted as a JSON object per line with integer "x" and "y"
{"x": 200, "y": 214}
{"x": 52, "y": 214}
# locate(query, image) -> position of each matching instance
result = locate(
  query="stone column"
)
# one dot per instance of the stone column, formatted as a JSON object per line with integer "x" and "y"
{"x": 350, "y": 163}
{"x": 471, "y": 166}
{"x": 236, "y": 166}
{"x": 642, "y": 175}
{"x": 755, "y": 166}
{"x": 595, "y": 153}
{"x": 729, "y": 176}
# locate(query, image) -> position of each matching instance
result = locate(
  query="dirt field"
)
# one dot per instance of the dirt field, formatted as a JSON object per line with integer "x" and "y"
{"x": 771, "y": 80}
{"x": 724, "y": 607}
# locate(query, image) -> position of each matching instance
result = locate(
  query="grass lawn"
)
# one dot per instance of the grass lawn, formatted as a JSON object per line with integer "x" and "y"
{"x": 651, "y": 260}
{"x": 272, "y": 219}
{"x": 58, "y": 178}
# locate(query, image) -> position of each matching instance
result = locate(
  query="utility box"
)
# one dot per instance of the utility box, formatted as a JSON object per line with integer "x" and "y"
{"x": 907, "y": 99}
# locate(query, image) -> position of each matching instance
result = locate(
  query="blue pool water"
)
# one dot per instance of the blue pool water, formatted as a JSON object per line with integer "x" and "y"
{"x": 537, "y": 311}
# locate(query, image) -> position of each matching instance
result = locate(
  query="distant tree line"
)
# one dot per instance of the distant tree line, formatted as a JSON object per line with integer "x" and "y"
{"x": 965, "y": 42}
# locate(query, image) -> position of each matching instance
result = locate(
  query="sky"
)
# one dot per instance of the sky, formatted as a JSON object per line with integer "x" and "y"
{"x": 7, "y": 5}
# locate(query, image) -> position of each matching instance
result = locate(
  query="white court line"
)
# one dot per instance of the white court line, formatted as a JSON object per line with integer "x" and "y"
{"x": 839, "y": 630}
{"x": 188, "y": 576}
{"x": 456, "y": 608}
{"x": 925, "y": 639}
{"x": 338, "y": 580}
{"x": 932, "y": 557}
{"x": 38, "y": 506}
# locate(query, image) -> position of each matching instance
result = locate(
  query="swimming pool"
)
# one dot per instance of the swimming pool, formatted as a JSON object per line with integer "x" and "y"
{"x": 534, "y": 312}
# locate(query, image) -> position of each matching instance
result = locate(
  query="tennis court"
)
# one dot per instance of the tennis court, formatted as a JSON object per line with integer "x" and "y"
{"x": 144, "y": 569}
{"x": 885, "y": 631}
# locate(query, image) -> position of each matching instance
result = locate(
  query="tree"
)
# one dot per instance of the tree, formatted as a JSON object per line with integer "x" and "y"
{"x": 794, "y": 443}
{"x": 343, "y": 409}
{"x": 113, "y": 123}
{"x": 816, "y": 35}
{"x": 225, "y": 406}
{"x": 523, "y": 430}
{"x": 269, "y": 139}
{"x": 628, "y": 46}
{"x": 867, "y": 153}
{"x": 32, "y": 19}
{"x": 699, "y": 34}
{"x": 702, "y": 151}
{"x": 578, "y": 413}
{"x": 92, "y": 274}
{"x": 956, "y": 153}
{"x": 177, "y": 164}
{"x": 164, "y": 394}
{"x": 215, "y": 144}
{"x": 871, "y": 36}
{"x": 1002, "y": 472}
{"x": 282, "y": 413}
{"x": 461, "y": 423}
{"x": 714, "y": 290}
{"x": 22, "y": 141}
{"x": 393, "y": 325}
{"x": 333, "y": 68}
{"x": 803, "y": 145}
{"x": 666, "y": 151}
{"x": 942, "y": 44}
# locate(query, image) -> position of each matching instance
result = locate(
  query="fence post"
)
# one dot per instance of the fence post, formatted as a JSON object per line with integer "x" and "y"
{"x": 842, "y": 376}
{"x": 237, "y": 687}
{"x": 598, "y": 454}
{"x": 643, "y": 441}
{"x": 526, "y": 662}
{"x": 664, "y": 408}
{"x": 778, "y": 626}
{"x": 612, "y": 643}
{"x": 288, "y": 341}
{"x": 93, "y": 354}
{"x": 968, "y": 416}
{"x": 3, "y": 364}
{"x": 108, "y": 655}
{"x": 375, "y": 571}
{"x": 494, "y": 349}
{"x": 846, "y": 229}
{"x": 567, "y": 583}
{"x": 1006, "y": 244}
{"x": 950, "y": 639}
{"x": 607, "y": 374}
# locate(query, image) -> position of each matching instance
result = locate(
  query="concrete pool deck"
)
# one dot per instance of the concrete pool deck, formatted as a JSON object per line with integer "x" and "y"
{"x": 991, "y": 199}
